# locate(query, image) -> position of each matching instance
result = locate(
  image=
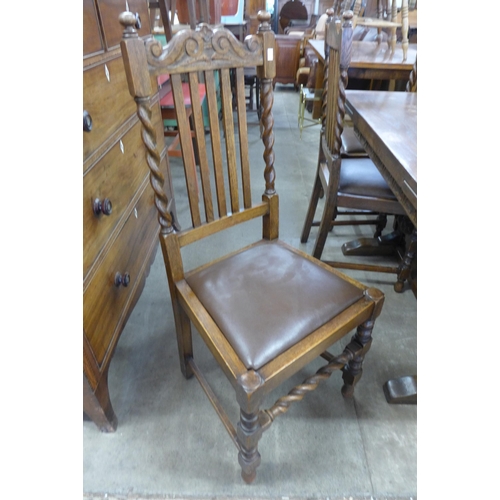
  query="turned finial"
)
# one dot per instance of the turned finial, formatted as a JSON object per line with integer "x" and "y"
{"x": 263, "y": 16}
{"x": 128, "y": 21}
{"x": 347, "y": 15}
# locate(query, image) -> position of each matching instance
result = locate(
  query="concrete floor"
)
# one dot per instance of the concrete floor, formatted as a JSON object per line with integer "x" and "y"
{"x": 171, "y": 444}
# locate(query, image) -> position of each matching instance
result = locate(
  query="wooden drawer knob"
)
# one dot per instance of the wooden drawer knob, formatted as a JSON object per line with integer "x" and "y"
{"x": 122, "y": 279}
{"x": 87, "y": 121}
{"x": 105, "y": 207}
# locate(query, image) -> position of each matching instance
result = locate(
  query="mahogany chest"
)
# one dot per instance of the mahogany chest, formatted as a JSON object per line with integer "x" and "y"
{"x": 120, "y": 227}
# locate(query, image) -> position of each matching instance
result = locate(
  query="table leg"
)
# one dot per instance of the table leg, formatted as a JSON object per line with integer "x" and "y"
{"x": 368, "y": 247}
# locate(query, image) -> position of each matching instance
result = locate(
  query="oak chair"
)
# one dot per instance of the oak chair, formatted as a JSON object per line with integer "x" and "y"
{"x": 268, "y": 309}
{"x": 351, "y": 185}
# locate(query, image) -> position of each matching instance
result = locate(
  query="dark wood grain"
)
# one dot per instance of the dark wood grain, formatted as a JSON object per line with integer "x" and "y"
{"x": 123, "y": 241}
{"x": 92, "y": 38}
{"x": 287, "y": 58}
{"x": 387, "y": 121}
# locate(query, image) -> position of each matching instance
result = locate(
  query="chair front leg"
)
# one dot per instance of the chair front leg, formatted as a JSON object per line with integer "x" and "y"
{"x": 361, "y": 343}
{"x": 311, "y": 211}
{"x": 249, "y": 429}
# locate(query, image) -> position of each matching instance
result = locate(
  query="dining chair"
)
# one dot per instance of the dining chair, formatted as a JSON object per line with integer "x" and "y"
{"x": 268, "y": 309}
{"x": 387, "y": 19}
{"x": 351, "y": 186}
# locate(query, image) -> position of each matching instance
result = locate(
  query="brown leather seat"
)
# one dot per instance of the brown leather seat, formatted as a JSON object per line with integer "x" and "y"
{"x": 351, "y": 147}
{"x": 262, "y": 299}
{"x": 360, "y": 177}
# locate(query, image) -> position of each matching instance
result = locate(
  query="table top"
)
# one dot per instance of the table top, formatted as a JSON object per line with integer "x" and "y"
{"x": 387, "y": 125}
{"x": 371, "y": 55}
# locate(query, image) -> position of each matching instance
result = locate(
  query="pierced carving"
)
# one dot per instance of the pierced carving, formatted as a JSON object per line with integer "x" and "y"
{"x": 201, "y": 47}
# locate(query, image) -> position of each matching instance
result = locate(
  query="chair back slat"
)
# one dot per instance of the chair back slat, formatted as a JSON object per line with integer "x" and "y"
{"x": 186, "y": 147}
{"x": 213, "y": 114}
{"x": 201, "y": 145}
{"x": 242, "y": 126}
{"x": 228, "y": 126}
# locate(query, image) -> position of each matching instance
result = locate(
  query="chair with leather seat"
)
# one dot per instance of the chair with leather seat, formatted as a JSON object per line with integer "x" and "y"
{"x": 351, "y": 186}
{"x": 266, "y": 310}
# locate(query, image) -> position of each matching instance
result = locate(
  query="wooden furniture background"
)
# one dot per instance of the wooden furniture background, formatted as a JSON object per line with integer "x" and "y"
{"x": 310, "y": 6}
{"x": 189, "y": 13}
{"x": 287, "y": 58}
{"x": 252, "y": 8}
{"x": 387, "y": 19}
{"x": 119, "y": 219}
{"x": 369, "y": 61}
{"x": 268, "y": 309}
{"x": 351, "y": 186}
{"x": 293, "y": 10}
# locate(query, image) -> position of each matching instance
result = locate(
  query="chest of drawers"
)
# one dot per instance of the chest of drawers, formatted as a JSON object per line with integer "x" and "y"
{"x": 120, "y": 227}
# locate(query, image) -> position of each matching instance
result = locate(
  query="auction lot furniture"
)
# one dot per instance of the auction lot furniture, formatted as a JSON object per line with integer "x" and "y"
{"x": 268, "y": 309}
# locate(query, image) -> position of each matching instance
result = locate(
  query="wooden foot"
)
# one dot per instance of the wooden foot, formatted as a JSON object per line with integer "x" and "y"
{"x": 249, "y": 433}
{"x": 386, "y": 245}
{"x": 97, "y": 405}
{"x": 249, "y": 429}
{"x": 367, "y": 247}
{"x": 401, "y": 390}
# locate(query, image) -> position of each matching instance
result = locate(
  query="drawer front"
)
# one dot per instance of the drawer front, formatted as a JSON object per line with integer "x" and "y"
{"x": 113, "y": 30}
{"x": 116, "y": 177}
{"x": 92, "y": 41}
{"x": 107, "y": 100}
{"x": 105, "y": 304}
